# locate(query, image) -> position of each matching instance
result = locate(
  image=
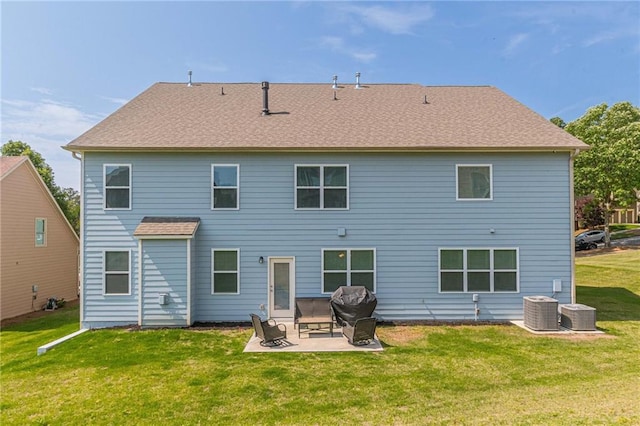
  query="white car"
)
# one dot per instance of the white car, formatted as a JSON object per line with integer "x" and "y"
{"x": 593, "y": 236}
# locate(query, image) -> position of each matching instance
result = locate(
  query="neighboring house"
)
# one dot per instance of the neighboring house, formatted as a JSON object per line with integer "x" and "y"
{"x": 207, "y": 202}
{"x": 630, "y": 214}
{"x": 38, "y": 247}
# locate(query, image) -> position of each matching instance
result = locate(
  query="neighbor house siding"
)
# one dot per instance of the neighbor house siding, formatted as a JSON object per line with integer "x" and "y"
{"x": 53, "y": 267}
{"x": 402, "y": 205}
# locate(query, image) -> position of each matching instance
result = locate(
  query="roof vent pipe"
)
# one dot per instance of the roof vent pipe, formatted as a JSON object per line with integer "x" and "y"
{"x": 335, "y": 82}
{"x": 358, "y": 81}
{"x": 265, "y": 98}
{"x": 189, "y": 84}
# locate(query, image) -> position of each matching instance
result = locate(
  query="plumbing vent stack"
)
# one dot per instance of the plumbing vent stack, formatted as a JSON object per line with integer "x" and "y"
{"x": 335, "y": 82}
{"x": 189, "y": 84}
{"x": 358, "y": 81}
{"x": 265, "y": 98}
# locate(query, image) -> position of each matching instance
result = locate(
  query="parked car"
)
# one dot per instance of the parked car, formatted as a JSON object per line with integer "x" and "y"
{"x": 584, "y": 245}
{"x": 593, "y": 236}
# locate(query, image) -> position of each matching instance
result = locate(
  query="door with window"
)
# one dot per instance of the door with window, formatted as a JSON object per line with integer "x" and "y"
{"x": 282, "y": 287}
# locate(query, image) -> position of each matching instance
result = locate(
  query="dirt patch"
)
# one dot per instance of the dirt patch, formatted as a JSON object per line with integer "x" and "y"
{"x": 37, "y": 314}
{"x": 398, "y": 335}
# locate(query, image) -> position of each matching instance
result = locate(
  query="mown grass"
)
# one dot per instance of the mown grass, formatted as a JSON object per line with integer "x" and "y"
{"x": 426, "y": 374}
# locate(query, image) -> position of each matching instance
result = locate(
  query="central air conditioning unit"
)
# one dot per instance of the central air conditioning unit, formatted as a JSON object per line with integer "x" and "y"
{"x": 541, "y": 313}
{"x": 578, "y": 317}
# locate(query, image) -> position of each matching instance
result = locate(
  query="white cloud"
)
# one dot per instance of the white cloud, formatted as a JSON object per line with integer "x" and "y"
{"x": 391, "y": 20}
{"x": 607, "y": 36}
{"x": 119, "y": 101}
{"x": 42, "y": 90}
{"x": 337, "y": 44}
{"x": 46, "y": 125}
{"x": 514, "y": 42}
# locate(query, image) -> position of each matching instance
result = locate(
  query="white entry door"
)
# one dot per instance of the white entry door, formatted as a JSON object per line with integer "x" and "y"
{"x": 282, "y": 287}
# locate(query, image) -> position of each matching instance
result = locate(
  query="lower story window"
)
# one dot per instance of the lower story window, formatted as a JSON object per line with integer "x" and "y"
{"x": 225, "y": 264}
{"x": 117, "y": 272}
{"x": 479, "y": 270}
{"x": 344, "y": 267}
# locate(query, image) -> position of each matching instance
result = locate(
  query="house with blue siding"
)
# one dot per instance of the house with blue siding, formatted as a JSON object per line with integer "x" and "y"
{"x": 206, "y": 202}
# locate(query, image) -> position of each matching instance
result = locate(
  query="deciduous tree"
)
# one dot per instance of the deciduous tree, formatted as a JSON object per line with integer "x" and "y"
{"x": 610, "y": 169}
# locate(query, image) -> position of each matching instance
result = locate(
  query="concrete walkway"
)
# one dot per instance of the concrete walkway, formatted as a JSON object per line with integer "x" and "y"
{"x": 313, "y": 341}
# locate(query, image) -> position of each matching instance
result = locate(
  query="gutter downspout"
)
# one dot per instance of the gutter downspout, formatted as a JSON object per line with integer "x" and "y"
{"x": 572, "y": 217}
{"x": 80, "y": 158}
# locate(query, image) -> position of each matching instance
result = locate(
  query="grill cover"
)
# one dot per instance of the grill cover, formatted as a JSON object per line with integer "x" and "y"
{"x": 350, "y": 303}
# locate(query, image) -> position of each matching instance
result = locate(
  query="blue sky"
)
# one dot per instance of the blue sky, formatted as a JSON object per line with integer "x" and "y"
{"x": 67, "y": 65}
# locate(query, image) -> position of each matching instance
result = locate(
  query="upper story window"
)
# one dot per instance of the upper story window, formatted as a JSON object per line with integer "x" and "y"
{"x": 225, "y": 265}
{"x": 224, "y": 186}
{"x": 346, "y": 267}
{"x": 41, "y": 232}
{"x": 117, "y": 272}
{"x": 322, "y": 187}
{"x": 117, "y": 186}
{"x": 474, "y": 182}
{"x": 479, "y": 270}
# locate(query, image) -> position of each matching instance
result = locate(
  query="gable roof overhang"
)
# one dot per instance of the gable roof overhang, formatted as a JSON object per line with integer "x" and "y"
{"x": 167, "y": 228}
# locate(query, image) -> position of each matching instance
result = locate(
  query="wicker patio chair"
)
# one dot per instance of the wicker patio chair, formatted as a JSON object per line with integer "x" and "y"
{"x": 268, "y": 331}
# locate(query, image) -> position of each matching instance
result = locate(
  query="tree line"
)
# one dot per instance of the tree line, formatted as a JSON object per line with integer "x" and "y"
{"x": 607, "y": 175}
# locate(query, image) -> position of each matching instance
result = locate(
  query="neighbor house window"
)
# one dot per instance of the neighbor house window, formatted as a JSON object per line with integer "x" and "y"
{"x": 117, "y": 272}
{"x": 345, "y": 267}
{"x": 226, "y": 276}
{"x": 224, "y": 186}
{"x": 41, "y": 232}
{"x": 479, "y": 270}
{"x": 322, "y": 187}
{"x": 117, "y": 186}
{"x": 474, "y": 182}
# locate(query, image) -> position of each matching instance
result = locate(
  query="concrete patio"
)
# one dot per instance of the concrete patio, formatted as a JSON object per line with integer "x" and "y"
{"x": 313, "y": 341}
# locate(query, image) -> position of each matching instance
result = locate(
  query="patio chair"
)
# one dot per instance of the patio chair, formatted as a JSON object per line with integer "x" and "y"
{"x": 268, "y": 331}
{"x": 362, "y": 333}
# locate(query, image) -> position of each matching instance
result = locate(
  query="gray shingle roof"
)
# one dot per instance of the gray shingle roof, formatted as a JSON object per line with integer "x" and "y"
{"x": 173, "y": 116}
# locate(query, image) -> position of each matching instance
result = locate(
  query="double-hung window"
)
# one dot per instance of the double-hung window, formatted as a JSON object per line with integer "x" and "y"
{"x": 117, "y": 272}
{"x": 41, "y": 232}
{"x": 479, "y": 270}
{"x": 225, "y": 186}
{"x": 117, "y": 186}
{"x": 474, "y": 182}
{"x": 322, "y": 187}
{"x": 345, "y": 267}
{"x": 225, "y": 265}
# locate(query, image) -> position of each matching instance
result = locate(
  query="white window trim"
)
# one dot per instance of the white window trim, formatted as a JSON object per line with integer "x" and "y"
{"x": 490, "y": 166}
{"x": 104, "y": 272}
{"x": 45, "y": 236}
{"x": 321, "y": 187}
{"x": 491, "y": 270}
{"x": 348, "y": 271}
{"x": 237, "y": 187}
{"x": 237, "y": 250}
{"x": 104, "y": 185}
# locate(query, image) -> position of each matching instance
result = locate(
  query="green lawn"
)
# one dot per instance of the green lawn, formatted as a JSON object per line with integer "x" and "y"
{"x": 426, "y": 374}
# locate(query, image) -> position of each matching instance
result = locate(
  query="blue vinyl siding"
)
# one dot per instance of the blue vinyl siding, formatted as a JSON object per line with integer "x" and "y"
{"x": 164, "y": 270}
{"x": 403, "y": 205}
